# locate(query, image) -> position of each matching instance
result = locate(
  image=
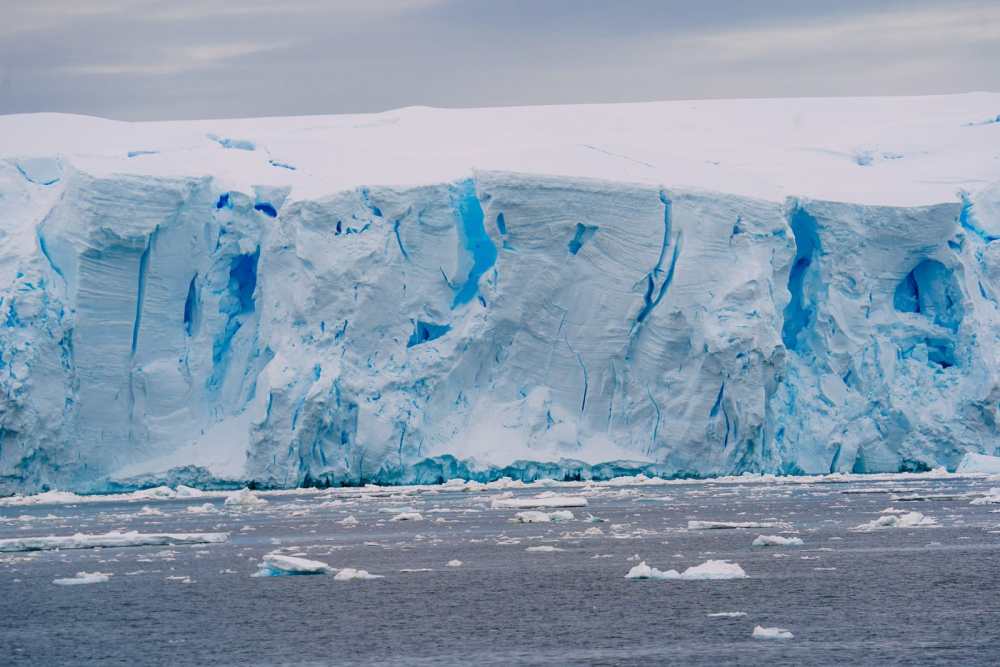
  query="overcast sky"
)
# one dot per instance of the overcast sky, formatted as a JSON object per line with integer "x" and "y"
{"x": 151, "y": 59}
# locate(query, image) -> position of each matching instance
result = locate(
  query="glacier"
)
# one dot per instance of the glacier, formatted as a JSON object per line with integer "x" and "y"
{"x": 678, "y": 289}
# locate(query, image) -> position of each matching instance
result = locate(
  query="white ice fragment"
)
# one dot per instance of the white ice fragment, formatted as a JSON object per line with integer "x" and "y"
{"x": 540, "y": 501}
{"x": 84, "y": 578}
{"x": 112, "y": 539}
{"x": 544, "y": 548}
{"x": 760, "y": 632}
{"x": 408, "y": 516}
{"x": 348, "y": 521}
{"x": 204, "y": 508}
{"x": 728, "y": 614}
{"x": 244, "y": 498}
{"x": 350, "y": 574}
{"x": 777, "y": 541}
{"x": 908, "y": 520}
{"x": 992, "y": 497}
{"x": 454, "y": 563}
{"x": 710, "y": 569}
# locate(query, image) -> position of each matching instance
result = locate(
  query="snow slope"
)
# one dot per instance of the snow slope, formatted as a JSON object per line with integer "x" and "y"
{"x": 791, "y": 286}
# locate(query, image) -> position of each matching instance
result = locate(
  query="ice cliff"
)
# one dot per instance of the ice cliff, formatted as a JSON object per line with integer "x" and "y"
{"x": 793, "y": 286}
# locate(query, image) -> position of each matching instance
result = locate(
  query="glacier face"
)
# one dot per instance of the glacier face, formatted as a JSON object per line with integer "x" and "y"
{"x": 188, "y": 329}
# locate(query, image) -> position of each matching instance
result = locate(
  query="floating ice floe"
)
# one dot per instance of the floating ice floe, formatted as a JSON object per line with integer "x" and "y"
{"x": 112, "y": 539}
{"x": 84, "y": 578}
{"x": 907, "y": 520}
{"x": 454, "y": 563}
{"x": 348, "y": 521}
{"x": 540, "y": 501}
{"x": 544, "y": 548}
{"x": 723, "y": 525}
{"x": 204, "y": 508}
{"x": 992, "y": 497}
{"x": 408, "y": 516}
{"x": 349, "y": 574}
{"x": 278, "y": 565}
{"x": 777, "y": 541}
{"x": 760, "y": 632}
{"x": 244, "y": 498}
{"x": 710, "y": 569}
{"x": 534, "y": 516}
{"x": 727, "y": 614}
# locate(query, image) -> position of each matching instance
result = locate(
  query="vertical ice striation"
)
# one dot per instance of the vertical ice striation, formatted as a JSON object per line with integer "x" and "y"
{"x": 159, "y": 328}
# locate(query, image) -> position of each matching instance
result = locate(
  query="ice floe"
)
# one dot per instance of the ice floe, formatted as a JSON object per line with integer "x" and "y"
{"x": 534, "y": 516}
{"x": 777, "y": 541}
{"x": 760, "y": 632}
{"x": 710, "y": 569}
{"x": 907, "y": 520}
{"x": 83, "y": 578}
{"x": 112, "y": 539}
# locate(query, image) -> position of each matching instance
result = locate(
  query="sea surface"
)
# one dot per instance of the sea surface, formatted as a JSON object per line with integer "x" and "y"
{"x": 890, "y": 596}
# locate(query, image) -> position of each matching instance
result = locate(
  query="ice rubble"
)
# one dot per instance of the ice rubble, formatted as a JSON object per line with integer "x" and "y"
{"x": 709, "y": 570}
{"x": 707, "y": 288}
{"x": 112, "y": 539}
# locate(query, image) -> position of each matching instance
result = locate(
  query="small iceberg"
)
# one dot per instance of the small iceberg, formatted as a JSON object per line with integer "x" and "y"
{"x": 777, "y": 541}
{"x": 907, "y": 520}
{"x": 709, "y": 570}
{"x": 992, "y": 497}
{"x": 760, "y": 632}
{"x": 83, "y": 578}
{"x": 454, "y": 563}
{"x": 408, "y": 516}
{"x": 277, "y": 565}
{"x": 727, "y": 614}
{"x": 543, "y": 549}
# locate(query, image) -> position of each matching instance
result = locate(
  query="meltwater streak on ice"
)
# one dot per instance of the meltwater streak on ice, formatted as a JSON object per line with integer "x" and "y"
{"x": 193, "y": 314}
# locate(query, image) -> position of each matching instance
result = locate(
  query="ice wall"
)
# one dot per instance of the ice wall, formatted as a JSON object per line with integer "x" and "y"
{"x": 177, "y": 329}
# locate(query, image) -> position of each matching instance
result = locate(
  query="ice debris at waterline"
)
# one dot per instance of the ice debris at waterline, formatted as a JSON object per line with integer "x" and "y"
{"x": 547, "y": 499}
{"x": 710, "y": 569}
{"x": 810, "y": 301}
{"x": 82, "y": 578}
{"x": 109, "y": 540}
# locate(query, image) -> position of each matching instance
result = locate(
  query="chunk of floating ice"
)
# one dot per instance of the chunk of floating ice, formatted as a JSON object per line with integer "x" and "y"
{"x": 777, "y": 541}
{"x": 721, "y": 525}
{"x": 908, "y": 520}
{"x": 534, "y": 516}
{"x": 455, "y": 563}
{"x": 348, "y": 521}
{"x": 710, "y": 569}
{"x": 277, "y": 565}
{"x": 541, "y": 500}
{"x": 992, "y": 497}
{"x": 244, "y": 498}
{"x": 205, "y": 508}
{"x": 149, "y": 511}
{"x": 349, "y": 574}
{"x": 728, "y": 614}
{"x": 84, "y": 578}
{"x": 760, "y": 632}
{"x": 112, "y": 539}
{"x": 543, "y": 549}
{"x": 408, "y": 516}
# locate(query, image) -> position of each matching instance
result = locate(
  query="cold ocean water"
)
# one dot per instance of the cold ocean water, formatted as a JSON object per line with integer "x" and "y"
{"x": 891, "y": 595}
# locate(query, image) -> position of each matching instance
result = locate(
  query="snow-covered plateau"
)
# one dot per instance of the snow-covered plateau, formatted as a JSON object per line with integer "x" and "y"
{"x": 675, "y": 289}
